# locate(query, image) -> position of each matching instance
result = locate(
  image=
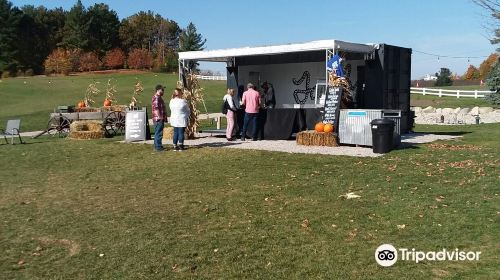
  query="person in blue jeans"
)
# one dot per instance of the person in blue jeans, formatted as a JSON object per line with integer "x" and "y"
{"x": 251, "y": 101}
{"x": 159, "y": 117}
{"x": 179, "y": 118}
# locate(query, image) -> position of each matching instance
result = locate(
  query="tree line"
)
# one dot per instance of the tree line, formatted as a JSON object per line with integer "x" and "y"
{"x": 37, "y": 40}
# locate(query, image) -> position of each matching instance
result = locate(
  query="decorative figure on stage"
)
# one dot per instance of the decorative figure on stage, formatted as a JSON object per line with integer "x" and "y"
{"x": 334, "y": 65}
{"x": 267, "y": 96}
{"x": 301, "y": 95}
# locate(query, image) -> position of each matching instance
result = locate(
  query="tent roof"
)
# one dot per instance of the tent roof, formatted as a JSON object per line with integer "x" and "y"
{"x": 225, "y": 54}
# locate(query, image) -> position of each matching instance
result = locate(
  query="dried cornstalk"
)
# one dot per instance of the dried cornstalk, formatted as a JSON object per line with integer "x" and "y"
{"x": 345, "y": 84}
{"x": 138, "y": 88}
{"x": 193, "y": 93}
{"x": 110, "y": 91}
{"x": 91, "y": 92}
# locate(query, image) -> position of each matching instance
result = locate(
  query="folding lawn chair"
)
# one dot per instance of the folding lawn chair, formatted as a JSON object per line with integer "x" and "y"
{"x": 11, "y": 131}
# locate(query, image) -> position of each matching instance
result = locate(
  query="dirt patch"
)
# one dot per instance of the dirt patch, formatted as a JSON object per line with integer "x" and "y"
{"x": 72, "y": 247}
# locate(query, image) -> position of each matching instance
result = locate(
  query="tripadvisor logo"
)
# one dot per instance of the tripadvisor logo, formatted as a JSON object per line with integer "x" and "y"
{"x": 388, "y": 255}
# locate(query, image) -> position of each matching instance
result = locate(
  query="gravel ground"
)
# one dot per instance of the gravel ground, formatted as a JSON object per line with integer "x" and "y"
{"x": 289, "y": 146}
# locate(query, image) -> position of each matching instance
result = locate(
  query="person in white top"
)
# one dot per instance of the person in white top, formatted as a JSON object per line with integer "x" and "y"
{"x": 230, "y": 111}
{"x": 179, "y": 110}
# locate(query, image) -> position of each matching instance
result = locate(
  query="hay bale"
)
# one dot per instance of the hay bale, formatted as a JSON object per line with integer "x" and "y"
{"x": 114, "y": 108}
{"x": 87, "y": 109}
{"x": 313, "y": 138}
{"x": 168, "y": 133}
{"x": 86, "y": 130}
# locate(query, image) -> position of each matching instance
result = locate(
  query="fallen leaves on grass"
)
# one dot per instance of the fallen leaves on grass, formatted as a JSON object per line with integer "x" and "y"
{"x": 72, "y": 247}
{"x": 462, "y": 164}
{"x": 352, "y": 235}
{"x": 454, "y": 147}
{"x": 439, "y": 198}
{"x": 305, "y": 224}
{"x": 350, "y": 195}
{"x": 392, "y": 167}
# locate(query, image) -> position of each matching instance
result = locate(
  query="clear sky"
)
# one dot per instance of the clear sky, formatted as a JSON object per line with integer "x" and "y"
{"x": 443, "y": 27}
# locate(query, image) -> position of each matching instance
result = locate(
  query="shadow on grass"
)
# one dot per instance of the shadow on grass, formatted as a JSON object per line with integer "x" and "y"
{"x": 452, "y": 133}
{"x": 214, "y": 145}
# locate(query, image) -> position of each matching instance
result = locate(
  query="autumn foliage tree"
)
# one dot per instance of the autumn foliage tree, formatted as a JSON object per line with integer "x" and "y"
{"x": 472, "y": 73}
{"x": 114, "y": 59}
{"x": 487, "y": 65}
{"x": 58, "y": 62}
{"x": 89, "y": 62}
{"x": 140, "y": 59}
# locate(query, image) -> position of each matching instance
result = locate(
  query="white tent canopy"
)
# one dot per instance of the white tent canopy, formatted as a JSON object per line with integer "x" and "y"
{"x": 223, "y": 55}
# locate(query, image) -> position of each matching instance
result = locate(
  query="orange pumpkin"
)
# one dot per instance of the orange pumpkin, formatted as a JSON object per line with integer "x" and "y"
{"x": 107, "y": 102}
{"x": 328, "y": 128}
{"x": 81, "y": 104}
{"x": 319, "y": 127}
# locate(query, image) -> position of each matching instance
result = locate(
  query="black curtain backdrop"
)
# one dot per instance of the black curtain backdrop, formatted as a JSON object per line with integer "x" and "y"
{"x": 279, "y": 124}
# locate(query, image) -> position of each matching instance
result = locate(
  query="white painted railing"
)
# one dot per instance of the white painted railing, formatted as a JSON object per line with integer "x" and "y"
{"x": 454, "y": 93}
{"x": 213, "y": 78}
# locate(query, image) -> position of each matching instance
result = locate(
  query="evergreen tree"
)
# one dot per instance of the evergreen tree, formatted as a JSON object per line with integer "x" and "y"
{"x": 191, "y": 40}
{"x": 76, "y": 28}
{"x": 103, "y": 29}
{"x": 444, "y": 77}
{"x": 9, "y": 22}
{"x": 138, "y": 30}
{"x": 40, "y": 29}
{"x": 493, "y": 83}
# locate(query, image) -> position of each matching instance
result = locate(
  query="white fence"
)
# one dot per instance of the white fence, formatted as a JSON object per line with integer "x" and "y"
{"x": 454, "y": 93}
{"x": 213, "y": 78}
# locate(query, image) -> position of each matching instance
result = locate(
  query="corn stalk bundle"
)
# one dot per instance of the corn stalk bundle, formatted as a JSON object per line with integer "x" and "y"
{"x": 91, "y": 92}
{"x": 110, "y": 91}
{"x": 193, "y": 93}
{"x": 138, "y": 88}
{"x": 345, "y": 84}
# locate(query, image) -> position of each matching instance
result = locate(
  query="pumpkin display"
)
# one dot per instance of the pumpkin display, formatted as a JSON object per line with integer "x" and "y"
{"x": 107, "y": 102}
{"x": 319, "y": 127}
{"x": 81, "y": 104}
{"x": 328, "y": 128}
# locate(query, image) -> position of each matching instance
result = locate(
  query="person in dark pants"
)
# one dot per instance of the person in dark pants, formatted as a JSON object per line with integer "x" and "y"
{"x": 240, "y": 113}
{"x": 159, "y": 117}
{"x": 251, "y": 101}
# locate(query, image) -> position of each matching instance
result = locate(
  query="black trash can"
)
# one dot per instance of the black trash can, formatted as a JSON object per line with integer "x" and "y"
{"x": 382, "y": 135}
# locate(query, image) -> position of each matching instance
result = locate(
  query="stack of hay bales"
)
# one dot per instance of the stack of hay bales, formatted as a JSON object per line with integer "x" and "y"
{"x": 113, "y": 108}
{"x": 168, "y": 133}
{"x": 89, "y": 129}
{"x": 87, "y": 109}
{"x": 313, "y": 138}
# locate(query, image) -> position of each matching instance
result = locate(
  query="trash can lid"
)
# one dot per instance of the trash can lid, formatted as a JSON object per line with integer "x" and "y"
{"x": 383, "y": 121}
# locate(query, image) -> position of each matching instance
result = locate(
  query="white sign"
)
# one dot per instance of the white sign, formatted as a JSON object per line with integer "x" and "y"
{"x": 135, "y": 126}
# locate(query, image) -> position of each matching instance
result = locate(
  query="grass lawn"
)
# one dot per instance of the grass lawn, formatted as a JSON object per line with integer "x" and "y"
{"x": 105, "y": 210}
{"x": 33, "y": 98}
{"x": 419, "y": 100}
{"x": 448, "y": 101}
